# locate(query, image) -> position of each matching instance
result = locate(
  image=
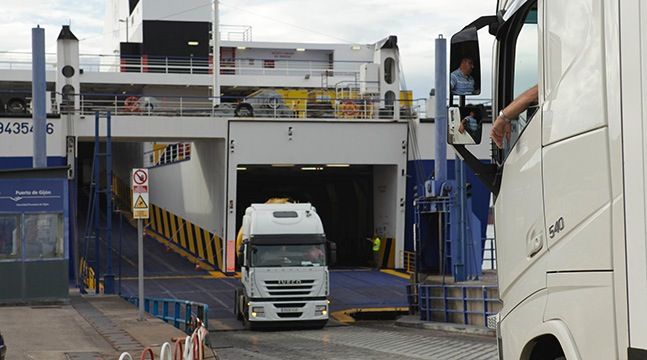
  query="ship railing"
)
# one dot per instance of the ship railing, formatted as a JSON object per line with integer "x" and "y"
{"x": 235, "y": 32}
{"x": 16, "y": 60}
{"x": 361, "y": 108}
{"x": 166, "y": 154}
{"x": 489, "y": 254}
{"x": 409, "y": 262}
{"x": 21, "y": 60}
{"x": 238, "y": 66}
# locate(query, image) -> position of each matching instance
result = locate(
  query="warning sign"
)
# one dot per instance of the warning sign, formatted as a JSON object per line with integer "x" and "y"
{"x": 140, "y": 203}
{"x": 139, "y": 187}
{"x": 140, "y": 176}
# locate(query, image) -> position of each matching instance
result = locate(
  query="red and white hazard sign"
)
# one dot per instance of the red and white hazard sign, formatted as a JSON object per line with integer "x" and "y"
{"x": 139, "y": 186}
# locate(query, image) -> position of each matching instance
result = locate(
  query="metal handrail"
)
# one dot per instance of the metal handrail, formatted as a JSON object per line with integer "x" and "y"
{"x": 183, "y": 312}
{"x": 409, "y": 261}
{"x": 455, "y": 305}
{"x": 169, "y": 154}
{"x": 491, "y": 251}
{"x": 191, "y": 65}
{"x": 367, "y": 108}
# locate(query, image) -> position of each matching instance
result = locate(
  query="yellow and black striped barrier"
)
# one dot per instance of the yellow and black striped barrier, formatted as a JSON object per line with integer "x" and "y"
{"x": 87, "y": 276}
{"x": 186, "y": 238}
{"x": 387, "y": 254}
{"x": 177, "y": 233}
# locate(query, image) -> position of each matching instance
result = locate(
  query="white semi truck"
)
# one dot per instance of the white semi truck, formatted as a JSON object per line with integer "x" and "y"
{"x": 571, "y": 184}
{"x": 283, "y": 267}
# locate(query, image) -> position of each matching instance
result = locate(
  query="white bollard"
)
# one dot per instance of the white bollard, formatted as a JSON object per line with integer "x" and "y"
{"x": 165, "y": 352}
{"x": 125, "y": 356}
{"x": 188, "y": 349}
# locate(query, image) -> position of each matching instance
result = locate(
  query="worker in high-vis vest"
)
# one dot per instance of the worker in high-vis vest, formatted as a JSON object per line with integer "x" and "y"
{"x": 376, "y": 242}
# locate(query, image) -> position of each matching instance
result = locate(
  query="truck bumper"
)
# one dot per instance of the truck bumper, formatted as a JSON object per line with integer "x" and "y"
{"x": 266, "y": 311}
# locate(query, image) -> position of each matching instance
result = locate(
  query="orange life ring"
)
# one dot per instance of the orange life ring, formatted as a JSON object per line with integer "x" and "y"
{"x": 131, "y": 104}
{"x": 349, "y": 108}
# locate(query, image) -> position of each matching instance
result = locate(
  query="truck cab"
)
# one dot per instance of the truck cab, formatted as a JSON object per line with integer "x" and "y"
{"x": 284, "y": 273}
{"x": 569, "y": 182}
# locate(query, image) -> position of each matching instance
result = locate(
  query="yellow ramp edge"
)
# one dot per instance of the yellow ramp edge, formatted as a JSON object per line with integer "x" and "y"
{"x": 346, "y": 316}
{"x": 396, "y": 273}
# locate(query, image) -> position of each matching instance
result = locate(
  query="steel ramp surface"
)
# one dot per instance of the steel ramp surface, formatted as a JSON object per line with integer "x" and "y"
{"x": 350, "y": 289}
{"x": 366, "y": 289}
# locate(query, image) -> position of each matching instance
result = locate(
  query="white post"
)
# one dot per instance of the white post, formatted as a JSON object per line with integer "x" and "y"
{"x": 140, "y": 267}
{"x": 215, "y": 43}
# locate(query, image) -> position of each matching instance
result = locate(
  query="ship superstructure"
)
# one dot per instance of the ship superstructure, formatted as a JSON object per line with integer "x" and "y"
{"x": 327, "y": 124}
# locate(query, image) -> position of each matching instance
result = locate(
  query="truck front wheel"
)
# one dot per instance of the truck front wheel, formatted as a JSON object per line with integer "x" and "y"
{"x": 249, "y": 325}
{"x": 238, "y": 302}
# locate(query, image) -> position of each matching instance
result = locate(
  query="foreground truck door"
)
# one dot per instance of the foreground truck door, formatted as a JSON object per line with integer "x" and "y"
{"x": 519, "y": 208}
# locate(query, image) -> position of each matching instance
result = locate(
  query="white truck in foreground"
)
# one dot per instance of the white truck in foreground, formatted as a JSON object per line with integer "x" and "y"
{"x": 283, "y": 267}
{"x": 571, "y": 184}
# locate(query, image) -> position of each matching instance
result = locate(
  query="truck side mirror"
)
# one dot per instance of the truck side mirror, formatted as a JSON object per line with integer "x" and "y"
{"x": 465, "y": 63}
{"x": 465, "y": 125}
{"x": 242, "y": 255}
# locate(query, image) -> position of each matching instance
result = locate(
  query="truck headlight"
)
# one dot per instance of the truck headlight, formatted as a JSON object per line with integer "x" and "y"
{"x": 321, "y": 310}
{"x": 258, "y": 311}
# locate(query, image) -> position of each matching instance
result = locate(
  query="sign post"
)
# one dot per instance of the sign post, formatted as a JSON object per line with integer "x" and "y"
{"x": 140, "y": 207}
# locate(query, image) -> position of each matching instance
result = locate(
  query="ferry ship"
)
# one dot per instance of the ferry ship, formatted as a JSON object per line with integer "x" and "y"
{"x": 327, "y": 124}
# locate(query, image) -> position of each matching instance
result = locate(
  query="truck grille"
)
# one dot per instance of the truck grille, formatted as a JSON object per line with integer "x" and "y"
{"x": 289, "y": 305}
{"x": 289, "y": 315}
{"x": 289, "y": 287}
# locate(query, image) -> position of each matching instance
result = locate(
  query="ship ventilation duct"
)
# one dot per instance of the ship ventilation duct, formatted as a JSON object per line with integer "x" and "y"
{"x": 68, "y": 71}
{"x": 387, "y": 56}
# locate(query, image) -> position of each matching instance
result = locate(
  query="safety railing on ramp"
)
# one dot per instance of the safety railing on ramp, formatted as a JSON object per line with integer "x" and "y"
{"x": 462, "y": 304}
{"x": 180, "y": 313}
{"x": 409, "y": 261}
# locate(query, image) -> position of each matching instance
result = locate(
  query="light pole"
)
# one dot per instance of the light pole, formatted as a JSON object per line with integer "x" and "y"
{"x": 215, "y": 44}
{"x": 125, "y": 21}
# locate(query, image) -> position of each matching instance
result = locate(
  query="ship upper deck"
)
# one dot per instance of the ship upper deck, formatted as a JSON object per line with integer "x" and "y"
{"x": 243, "y": 63}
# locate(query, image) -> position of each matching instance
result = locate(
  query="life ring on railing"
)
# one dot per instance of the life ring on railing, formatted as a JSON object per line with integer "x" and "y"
{"x": 131, "y": 104}
{"x": 349, "y": 108}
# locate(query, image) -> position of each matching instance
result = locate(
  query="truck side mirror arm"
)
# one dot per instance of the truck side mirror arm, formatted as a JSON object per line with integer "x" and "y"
{"x": 493, "y": 21}
{"x": 489, "y": 174}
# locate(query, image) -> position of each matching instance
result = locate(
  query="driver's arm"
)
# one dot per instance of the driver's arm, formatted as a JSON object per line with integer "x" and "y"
{"x": 501, "y": 126}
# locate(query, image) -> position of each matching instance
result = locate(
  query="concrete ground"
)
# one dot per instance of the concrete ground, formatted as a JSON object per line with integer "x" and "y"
{"x": 86, "y": 328}
{"x": 368, "y": 340}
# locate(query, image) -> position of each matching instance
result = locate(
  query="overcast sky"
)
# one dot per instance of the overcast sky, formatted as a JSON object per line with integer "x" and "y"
{"x": 416, "y": 23}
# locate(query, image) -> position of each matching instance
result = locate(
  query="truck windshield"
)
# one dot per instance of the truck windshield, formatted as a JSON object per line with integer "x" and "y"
{"x": 288, "y": 255}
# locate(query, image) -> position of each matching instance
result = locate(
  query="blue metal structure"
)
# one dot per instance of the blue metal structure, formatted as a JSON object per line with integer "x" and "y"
{"x": 94, "y": 226}
{"x": 39, "y": 115}
{"x": 446, "y": 203}
{"x": 436, "y": 303}
{"x": 34, "y": 236}
{"x": 179, "y": 313}
{"x": 440, "y": 166}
